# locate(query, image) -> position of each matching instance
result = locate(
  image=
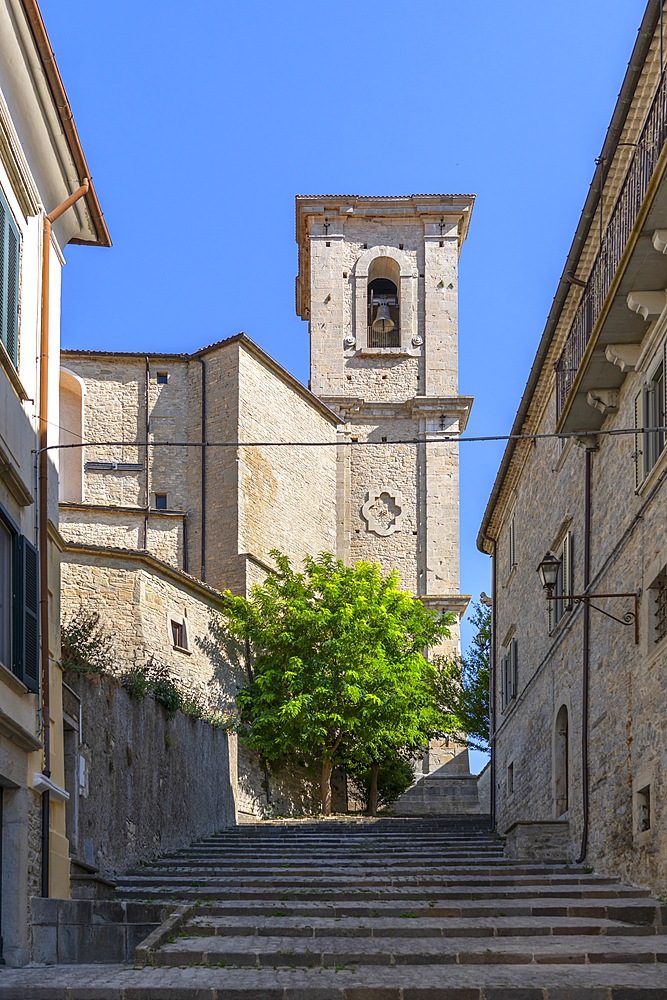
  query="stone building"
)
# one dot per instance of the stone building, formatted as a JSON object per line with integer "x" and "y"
{"x": 579, "y": 698}
{"x": 41, "y": 165}
{"x": 365, "y": 475}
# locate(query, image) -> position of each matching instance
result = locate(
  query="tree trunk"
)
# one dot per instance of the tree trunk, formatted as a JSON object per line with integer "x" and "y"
{"x": 373, "y": 794}
{"x": 327, "y": 768}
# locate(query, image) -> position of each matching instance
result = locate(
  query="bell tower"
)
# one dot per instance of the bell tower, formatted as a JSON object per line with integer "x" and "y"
{"x": 377, "y": 283}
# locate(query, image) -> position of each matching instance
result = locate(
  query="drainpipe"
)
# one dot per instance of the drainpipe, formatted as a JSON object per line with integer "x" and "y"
{"x": 585, "y": 680}
{"x": 202, "y": 574}
{"x": 43, "y": 533}
{"x": 147, "y": 495}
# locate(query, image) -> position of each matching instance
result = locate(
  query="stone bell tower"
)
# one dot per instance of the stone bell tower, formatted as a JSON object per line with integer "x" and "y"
{"x": 378, "y": 282}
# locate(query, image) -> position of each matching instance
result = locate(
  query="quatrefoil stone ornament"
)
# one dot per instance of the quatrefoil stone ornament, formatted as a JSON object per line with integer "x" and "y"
{"x": 383, "y": 510}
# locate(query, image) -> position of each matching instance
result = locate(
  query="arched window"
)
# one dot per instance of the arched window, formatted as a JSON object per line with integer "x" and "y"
{"x": 561, "y": 750}
{"x": 70, "y": 473}
{"x": 384, "y": 326}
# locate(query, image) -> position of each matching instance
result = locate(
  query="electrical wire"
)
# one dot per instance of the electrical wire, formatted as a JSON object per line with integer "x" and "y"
{"x": 434, "y": 437}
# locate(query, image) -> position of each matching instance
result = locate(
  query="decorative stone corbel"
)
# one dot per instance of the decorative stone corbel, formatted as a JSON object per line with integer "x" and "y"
{"x": 588, "y": 442}
{"x": 604, "y": 400}
{"x": 659, "y": 240}
{"x": 649, "y": 305}
{"x": 625, "y": 356}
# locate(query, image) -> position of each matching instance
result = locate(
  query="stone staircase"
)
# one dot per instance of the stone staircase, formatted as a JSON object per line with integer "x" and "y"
{"x": 391, "y": 909}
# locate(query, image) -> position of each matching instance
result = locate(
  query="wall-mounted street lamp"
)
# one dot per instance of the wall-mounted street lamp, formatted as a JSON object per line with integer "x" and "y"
{"x": 549, "y": 569}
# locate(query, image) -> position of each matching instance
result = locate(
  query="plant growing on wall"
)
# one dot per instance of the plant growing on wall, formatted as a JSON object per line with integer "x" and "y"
{"x": 337, "y": 656}
{"x": 86, "y": 646}
{"x": 462, "y": 685}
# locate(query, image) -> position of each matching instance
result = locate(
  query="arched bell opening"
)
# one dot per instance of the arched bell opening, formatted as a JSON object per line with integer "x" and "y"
{"x": 70, "y": 475}
{"x": 561, "y": 754}
{"x": 384, "y": 326}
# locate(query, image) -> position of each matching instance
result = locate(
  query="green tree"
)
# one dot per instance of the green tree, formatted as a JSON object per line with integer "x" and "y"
{"x": 337, "y": 655}
{"x": 462, "y": 686}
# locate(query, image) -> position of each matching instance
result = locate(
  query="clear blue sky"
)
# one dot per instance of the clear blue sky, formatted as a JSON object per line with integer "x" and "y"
{"x": 201, "y": 121}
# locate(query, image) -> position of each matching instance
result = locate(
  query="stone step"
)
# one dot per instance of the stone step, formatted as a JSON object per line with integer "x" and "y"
{"x": 336, "y": 951}
{"x": 423, "y": 926}
{"x": 371, "y": 891}
{"x": 599, "y": 981}
{"x": 380, "y": 888}
{"x": 643, "y": 912}
{"x": 277, "y": 876}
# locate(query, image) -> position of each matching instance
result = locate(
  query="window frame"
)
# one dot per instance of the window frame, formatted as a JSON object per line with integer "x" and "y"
{"x": 10, "y": 292}
{"x": 509, "y": 673}
{"x": 650, "y": 411}
{"x": 176, "y": 621}
{"x": 558, "y": 610}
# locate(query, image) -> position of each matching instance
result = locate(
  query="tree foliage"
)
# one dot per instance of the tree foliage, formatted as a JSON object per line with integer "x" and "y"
{"x": 337, "y": 663}
{"x": 462, "y": 685}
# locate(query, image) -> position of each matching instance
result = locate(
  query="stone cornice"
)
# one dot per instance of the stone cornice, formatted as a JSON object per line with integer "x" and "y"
{"x": 353, "y": 406}
{"x": 456, "y": 603}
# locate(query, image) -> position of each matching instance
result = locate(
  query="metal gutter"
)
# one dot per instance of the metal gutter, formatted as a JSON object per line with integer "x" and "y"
{"x": 635, "y": 66}
{"x": 66, "y": 117}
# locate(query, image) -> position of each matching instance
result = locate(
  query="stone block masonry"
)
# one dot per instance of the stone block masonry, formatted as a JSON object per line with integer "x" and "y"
{"x": 172, "y": 776}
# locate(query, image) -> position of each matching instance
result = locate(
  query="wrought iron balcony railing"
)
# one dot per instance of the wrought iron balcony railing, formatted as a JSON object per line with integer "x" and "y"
{"x": 614, "y": 242}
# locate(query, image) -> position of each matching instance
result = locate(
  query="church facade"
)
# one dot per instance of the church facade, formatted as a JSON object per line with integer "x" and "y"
{"x": 194, "y": 467}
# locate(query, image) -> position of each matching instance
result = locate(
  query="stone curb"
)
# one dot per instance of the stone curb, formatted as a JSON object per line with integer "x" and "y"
{"x": 143, "y": 953}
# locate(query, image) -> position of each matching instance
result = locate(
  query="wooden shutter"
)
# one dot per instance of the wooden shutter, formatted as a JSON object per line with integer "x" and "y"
{"x": 27, "y": 645}
{"x": 639, "y": 441}
{"x": 567, "y": 571}
{"x": 514, "y": 668}
{"x": 10, "y": 247}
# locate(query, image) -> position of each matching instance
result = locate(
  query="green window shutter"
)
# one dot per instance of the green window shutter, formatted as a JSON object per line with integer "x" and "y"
{"x": 10, "y": 258}
{"x": 27, "y": 651}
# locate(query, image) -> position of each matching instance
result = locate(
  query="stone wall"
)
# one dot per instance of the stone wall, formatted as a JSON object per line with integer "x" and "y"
{"x": 288, "y": 790}
{"x": 137, "y": 598}
{"x": 627, "y": 727}
{"x": 170, "y": 776}
{"x": 287, "y": 496}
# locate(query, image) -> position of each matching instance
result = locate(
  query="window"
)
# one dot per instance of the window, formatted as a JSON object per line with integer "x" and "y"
{"x": 659, "y": 593}
{"x": 510, "y": 778}
{"x": 10, "y": 247}
{"x": 644, "y": 809}
{"x": 511, "y": 545}
{"x": 162, "y": 378}
{"x": 178, "y": 630}
{"x": 19, "y": 604}
{"x": 509, "y": 673}
{"x": 650, "y": 413}
{"x": 563, "y": 589}
{"x": 561, "y": 762}
{"x": 161, "y": 501}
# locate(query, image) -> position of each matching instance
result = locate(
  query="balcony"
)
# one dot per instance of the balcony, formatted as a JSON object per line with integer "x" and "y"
{"x": 631, "y": 259}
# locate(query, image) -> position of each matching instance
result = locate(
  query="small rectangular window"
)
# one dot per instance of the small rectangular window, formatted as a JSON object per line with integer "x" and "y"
{"x": 161, "y": 501}
{"x": 510, "y": 778}
{"x": 511, "y": 545}
{"x": 162, "y": 378}
{"x": 644, "y": 809}
{"x": 178, "y": 634}
{"x": 509, "y": 673}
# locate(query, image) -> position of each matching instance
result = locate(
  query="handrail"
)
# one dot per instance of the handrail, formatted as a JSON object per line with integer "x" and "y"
{"x": 613, "y": 243}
